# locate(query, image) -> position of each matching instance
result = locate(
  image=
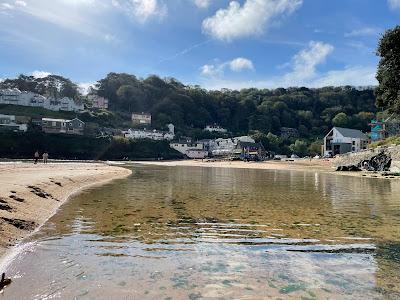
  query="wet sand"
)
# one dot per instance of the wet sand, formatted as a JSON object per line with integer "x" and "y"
{"x": 30, "y": 194}
{"x": 314, "y": 165}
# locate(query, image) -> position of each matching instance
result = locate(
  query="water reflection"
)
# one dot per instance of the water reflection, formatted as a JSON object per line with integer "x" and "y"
{"x": 218, "y": 233}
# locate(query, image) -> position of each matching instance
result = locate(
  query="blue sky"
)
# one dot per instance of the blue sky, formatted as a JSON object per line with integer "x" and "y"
{"x": 213, "y": 43}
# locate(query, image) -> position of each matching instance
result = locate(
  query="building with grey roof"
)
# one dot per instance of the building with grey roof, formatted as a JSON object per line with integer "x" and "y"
{"x": 342, "y": 140}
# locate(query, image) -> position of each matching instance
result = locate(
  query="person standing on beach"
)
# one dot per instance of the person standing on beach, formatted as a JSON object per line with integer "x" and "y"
{"x": 45, "y": 157}
{"x": 36, "y": 156}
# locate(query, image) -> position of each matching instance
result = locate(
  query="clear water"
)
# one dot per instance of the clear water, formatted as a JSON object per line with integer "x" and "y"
{"x": 213, "y": 233}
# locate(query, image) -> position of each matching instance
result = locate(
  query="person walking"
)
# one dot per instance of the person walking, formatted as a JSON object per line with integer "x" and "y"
{"x": 36, "y": 156}
{"x": 45, "y": 157}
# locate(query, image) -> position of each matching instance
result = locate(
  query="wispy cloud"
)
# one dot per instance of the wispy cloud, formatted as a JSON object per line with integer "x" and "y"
{"x": 142, "y": 10}
{"x": 185, "y": 51}
{"x": 253, "y": 18}
{"x": 202, "y": 3}
{"x": 394, "y": 4}
{"x": 366, "y": 31}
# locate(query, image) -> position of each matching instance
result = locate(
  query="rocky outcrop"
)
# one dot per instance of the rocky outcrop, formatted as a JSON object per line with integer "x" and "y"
{"x": 379, "y": 162}
{"x": 379, "y": 159}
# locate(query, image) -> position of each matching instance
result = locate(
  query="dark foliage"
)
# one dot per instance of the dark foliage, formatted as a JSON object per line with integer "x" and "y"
{"x": 23, "y": 145}
{"x": 388, "y": 75}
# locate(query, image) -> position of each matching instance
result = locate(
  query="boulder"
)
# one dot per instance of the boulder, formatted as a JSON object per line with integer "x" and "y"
{"x": 379, "y": 162}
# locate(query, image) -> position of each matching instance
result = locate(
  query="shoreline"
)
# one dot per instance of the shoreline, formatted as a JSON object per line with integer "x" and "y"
{"x": 31, "y": 194}
{"x": 321, "y": 166}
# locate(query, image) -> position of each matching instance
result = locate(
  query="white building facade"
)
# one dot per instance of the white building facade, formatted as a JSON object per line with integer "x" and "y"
{"x": 141, "y": 119}
{"x": 343, "y": 140}
{"x": 157, "y": 135}
{"x": 224, "y": 147}
{"x": 215, "y": 128}
{"x": 16, "y": 97}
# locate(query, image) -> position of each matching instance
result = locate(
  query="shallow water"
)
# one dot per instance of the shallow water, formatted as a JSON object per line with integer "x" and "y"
{"x": 213, "y": 233}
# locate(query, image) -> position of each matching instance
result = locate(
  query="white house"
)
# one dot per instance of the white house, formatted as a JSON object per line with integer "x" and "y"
{"x": 9, "y": 122}
{"x": 342, "y": 140}
{"x": 191, "y": 150}
{"x": 157, "y": 135}
{"x": 141, "y": 119}
{"x": 16, "y": 97}
{"x": 223, "y": 147}
{"x": 74, "y": 126}
{"x": 215, "y": 128}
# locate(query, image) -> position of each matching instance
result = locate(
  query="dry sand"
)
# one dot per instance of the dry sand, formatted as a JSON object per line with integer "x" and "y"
{"x": 30, "y": 194}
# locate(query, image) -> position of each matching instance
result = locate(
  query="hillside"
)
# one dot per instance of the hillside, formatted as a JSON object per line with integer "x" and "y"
{"x": 269, "y": 115}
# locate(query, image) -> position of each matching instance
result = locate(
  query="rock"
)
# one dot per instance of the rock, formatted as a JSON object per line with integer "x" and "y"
{"x": 351, "y": 168}
{"x": 4, "y": 281}
{"x": 20, "y": 224}
{"x": 379, "y": 162}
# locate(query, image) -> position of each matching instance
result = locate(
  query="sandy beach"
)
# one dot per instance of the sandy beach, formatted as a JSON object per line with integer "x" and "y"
{"x": 314, "y": 165}
{"x": 30, "y": 194}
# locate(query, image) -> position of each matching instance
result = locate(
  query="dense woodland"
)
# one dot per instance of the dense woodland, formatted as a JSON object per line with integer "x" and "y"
{"x": 261, "y": 113}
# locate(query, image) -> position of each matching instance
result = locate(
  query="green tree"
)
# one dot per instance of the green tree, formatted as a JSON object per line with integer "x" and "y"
{"x": 315, "y": 147}
{"x": 299, "y": 148}
{"x": 388, "y": 75}
{"x": 340, "y": 120}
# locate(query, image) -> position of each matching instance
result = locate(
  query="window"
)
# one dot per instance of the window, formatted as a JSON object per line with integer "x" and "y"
{"x": 354, "y": 142}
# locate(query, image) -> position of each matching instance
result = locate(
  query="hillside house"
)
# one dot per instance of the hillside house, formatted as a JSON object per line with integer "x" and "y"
{"x": 12, "y": 123}
{"x": 74, "y": 126}
{"x": 191, "y": 150}
{"x": 225, "y": 147}
{"x": 157, "y": 135}
{"x": 342, "y": 140}
{"x": 250, "y": 151}
{"x": 16, "y": 97}
{"x": 98, "y": 102}
{"x": 215, "y": 128}
{"x": 141, "y": 119}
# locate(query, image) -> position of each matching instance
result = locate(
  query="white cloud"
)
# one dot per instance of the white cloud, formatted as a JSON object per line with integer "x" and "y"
{"x": 252, "y": 18}
{"x": 142, "y": 10}
{"x": 20, "y": 3}
{"x": 351, "y": 75}
{"x": 40, "y": 74}
{"x": 236, "y": 65}
{"x": 305, "y": 62}
{"x": 303, "y": 72}
{"x": 366, "y": 31}
{"x": 202, "y": 3}
{"x": 6, "y": 6}
{"x": 211, "y": 70}
{"x": 240, "y": 63}
{"x": 394, "y": 4}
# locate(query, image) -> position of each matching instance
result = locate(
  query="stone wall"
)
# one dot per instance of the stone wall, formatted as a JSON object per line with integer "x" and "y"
{"x": 349, "y": 159}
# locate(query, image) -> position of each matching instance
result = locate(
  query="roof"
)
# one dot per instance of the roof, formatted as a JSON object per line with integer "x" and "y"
{"x": 54, "y": 120}
{"x": 351, "y": 133}
{"x": 248, "y": 144}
